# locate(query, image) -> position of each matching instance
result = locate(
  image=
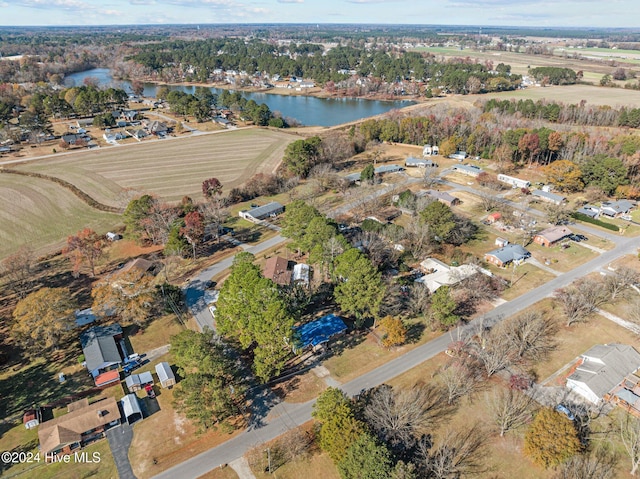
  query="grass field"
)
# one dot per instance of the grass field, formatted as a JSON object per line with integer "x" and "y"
{"x": 171, "y": 168}
{"x": 42, "y": 214}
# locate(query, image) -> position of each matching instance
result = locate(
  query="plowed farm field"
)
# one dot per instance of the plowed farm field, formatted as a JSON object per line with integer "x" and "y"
{"x": 170, "y": 168}
{"x": 41, "y": 214}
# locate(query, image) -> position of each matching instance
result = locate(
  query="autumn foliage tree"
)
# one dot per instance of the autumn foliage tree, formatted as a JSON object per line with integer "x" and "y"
{"x": 395, "y": 331}
{"x": 564, "y": 175}
{"x": 42, "y": 318}
{"x": 211, "y": 187}
{"x": 551, "y": 439}
{"x": 129, "y": 295}
{"x": 193, "y": 229}
{"x": 84, "y": 247}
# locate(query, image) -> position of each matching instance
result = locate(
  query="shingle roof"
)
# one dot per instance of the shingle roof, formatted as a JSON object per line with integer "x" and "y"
{"x": 549, "y": 196}
{"x": 509, "y": 253}
{"x": 99, "y": 347}
{"x": 605, "y": 366}
{"x": 68, "y": 429}
{"x": 441, "y": 195}
{"x": 555, "y": 233}
{"x": 277, "y": 269}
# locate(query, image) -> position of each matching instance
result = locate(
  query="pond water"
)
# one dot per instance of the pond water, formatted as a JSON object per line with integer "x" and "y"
{"x": 306, "y": 109}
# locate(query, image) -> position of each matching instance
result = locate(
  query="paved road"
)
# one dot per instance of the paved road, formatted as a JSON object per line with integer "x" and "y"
{"x": 194, "y": 291}
{"x": 285, "y": 416}
{"x": 119, "y": 441}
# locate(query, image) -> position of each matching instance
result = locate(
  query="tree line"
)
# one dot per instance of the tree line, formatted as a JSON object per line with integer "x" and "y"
{"x": 203, "y": 57}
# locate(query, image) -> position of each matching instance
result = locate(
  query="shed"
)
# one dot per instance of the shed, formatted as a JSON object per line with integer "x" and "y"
{"x": 493, "y": 217}
{"x": 165, "y": 375}
{"x": 135, "y": 382}
{"x": 107, "y": 379}
{"x": 318, "y": 332}
{"x": 30, "y": 419}
{"x": 131, "y": 408}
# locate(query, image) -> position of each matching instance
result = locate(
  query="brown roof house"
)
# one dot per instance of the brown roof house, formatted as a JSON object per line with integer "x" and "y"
{"x": 277, "y": 269}
{"x": 83, "y": 424}
{"x": 552, "y": 235}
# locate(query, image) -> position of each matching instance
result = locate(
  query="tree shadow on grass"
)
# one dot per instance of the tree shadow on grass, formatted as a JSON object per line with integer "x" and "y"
{"x": 414, "y": 332}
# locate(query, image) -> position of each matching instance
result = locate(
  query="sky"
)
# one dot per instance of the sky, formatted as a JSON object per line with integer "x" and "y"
{"x": 562, "y": 13}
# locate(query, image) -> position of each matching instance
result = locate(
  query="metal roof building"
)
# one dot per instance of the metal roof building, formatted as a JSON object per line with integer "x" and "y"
{"x": 165, "y": 374}
{"x": 131, "y": 408}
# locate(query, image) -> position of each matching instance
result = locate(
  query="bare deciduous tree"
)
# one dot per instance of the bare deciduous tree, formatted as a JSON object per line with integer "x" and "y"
{"x": 495, "y": 353}
{"x": 557, "y": 214}
{"x": 375, "y": 247}
{"x": 324, "y": 176}
{"x": 510, "y": 409}
{"x": 401, "y": 416}
{"x": 531, "y": 334}
{"x": 215, "y": 213}
{"x": 630, "y": 436}
{"x": 418, "y": 239}
{"x": 458, "y": 453}
{"x": 17, "y": 270}
{"x": 623, "y": 278}
{"x": 460, "y": 378}
{"x": 490, "y": 202}
{"x": 430, "y": 177}
{"x": 599, "y": 464}
{"x": 418, "y": 303}
{"x": 581, "y": 299}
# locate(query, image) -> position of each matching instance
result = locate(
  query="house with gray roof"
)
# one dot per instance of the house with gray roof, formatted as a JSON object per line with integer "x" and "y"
{"x": 352, "y": 177}
{"x": 443, "y": 197}
{"x": 469, "y": 170}
{"x": 601, "y": 369}
{"x": 382, "y": 169}
{"x": 548, "y": 197}
{"x": 100, "y": 348}
{"x": 414, "y": 162}
{"x": 262, "y": 212}
{"x": 589, "y": 210}
{"x": 617, "y": 208}
{"x": 511, "y": 253}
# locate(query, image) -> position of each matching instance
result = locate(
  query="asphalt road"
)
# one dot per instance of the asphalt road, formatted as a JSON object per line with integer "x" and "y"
{"x": 194, "y": 291}
{"x": 283, "y": 416}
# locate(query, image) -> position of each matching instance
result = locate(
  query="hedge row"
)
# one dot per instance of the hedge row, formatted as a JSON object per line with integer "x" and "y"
{"x": 593, "y": 221}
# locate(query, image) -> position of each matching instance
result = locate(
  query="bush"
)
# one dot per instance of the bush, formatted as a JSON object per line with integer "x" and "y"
{"x": 593, "y": 221}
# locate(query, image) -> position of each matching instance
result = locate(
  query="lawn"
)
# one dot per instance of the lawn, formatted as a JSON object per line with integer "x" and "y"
{"x": 168, "y": 438}
{"x": 357, "y": 354}
{"x": 562, "y": 259}
{"x": 172, "y": 168}
{"x": 315, "y": 466}
{"x": 224, "y": 473}
{"x": 103, "y": 468}
{"x": 157, "y": 333}
{"x": 42, "y": 214}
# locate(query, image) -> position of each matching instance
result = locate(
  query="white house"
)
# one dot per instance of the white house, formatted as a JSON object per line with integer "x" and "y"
{"x": 514, "y": 182}
{"x": 601, "y": 369}
{"x": 440, "y": 274}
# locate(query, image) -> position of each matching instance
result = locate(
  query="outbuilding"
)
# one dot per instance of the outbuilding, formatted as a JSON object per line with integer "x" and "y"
{"x": 131, "y": 408}
{"x": 165, "y": 375}
{"x": 260, "y": 213}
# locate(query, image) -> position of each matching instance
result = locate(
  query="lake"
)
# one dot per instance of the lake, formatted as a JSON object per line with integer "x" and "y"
{"x": 306, "y": 109}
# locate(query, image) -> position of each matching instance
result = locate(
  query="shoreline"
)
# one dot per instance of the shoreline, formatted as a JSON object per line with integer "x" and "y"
{"x": 315, "y": 92}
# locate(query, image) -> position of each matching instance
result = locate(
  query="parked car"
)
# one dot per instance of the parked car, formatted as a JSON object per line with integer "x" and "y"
{"x": 575, "y": 238}
{"x": 561, "y": 408}
{"x": 150, "y": 392}
{"x": 582, "y": 237}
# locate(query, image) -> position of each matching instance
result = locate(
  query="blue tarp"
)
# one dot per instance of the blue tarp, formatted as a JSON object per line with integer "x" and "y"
{"x": 319, "y": 331}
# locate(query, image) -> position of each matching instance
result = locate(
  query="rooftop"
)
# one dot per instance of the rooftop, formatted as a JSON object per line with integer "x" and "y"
{"x": 319, "y": 331}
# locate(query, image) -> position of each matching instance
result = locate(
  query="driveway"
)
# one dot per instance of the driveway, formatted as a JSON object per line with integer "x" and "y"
{"x": 194, "y": 291}
{"x": 119, "y": 441}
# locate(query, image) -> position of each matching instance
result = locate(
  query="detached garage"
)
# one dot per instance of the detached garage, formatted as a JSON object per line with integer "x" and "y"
{"x": 165, "y": 375}
{"x": 131, "y": 408}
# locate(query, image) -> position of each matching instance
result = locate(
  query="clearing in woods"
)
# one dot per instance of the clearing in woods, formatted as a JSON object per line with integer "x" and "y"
{"x": 170, "y": 168}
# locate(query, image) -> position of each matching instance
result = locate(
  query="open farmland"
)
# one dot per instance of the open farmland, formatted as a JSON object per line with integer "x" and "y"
{"x": 42, "y": 214}
{"x": 169, "y": 168}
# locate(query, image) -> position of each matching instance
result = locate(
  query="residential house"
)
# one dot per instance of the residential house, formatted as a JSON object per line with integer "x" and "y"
{"x": 614, "y": 209}
{"x": 514, "y": 182}
{"x": 469, "y": 170}
{"x": 277, "y": 269}
{"x": 165, "y": 375}
{"x": 552, "y": 235}
{"x": 83, "y": 424}
{"x": 352, "y": 177}
{"x": 510, "y": 253}
{"x": 443, "y": 197}
{"x": 414, "y": 162}
{"x": 139, "y": 265}
{"x": 601, "y": 369}
{"x": 458, "y": 155}
{"x": 589, "y": 210}
{"x": 100, "y": 349}
{"x": 548, "y": 197}
{"x": 84, "y": 122}
{"x": 262, "y": 212}
{"x": 382, "y": 169}
{"x": 75, "y": 138}
{"x": 440, "y": 274}
{"x": 157, "y": 128}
